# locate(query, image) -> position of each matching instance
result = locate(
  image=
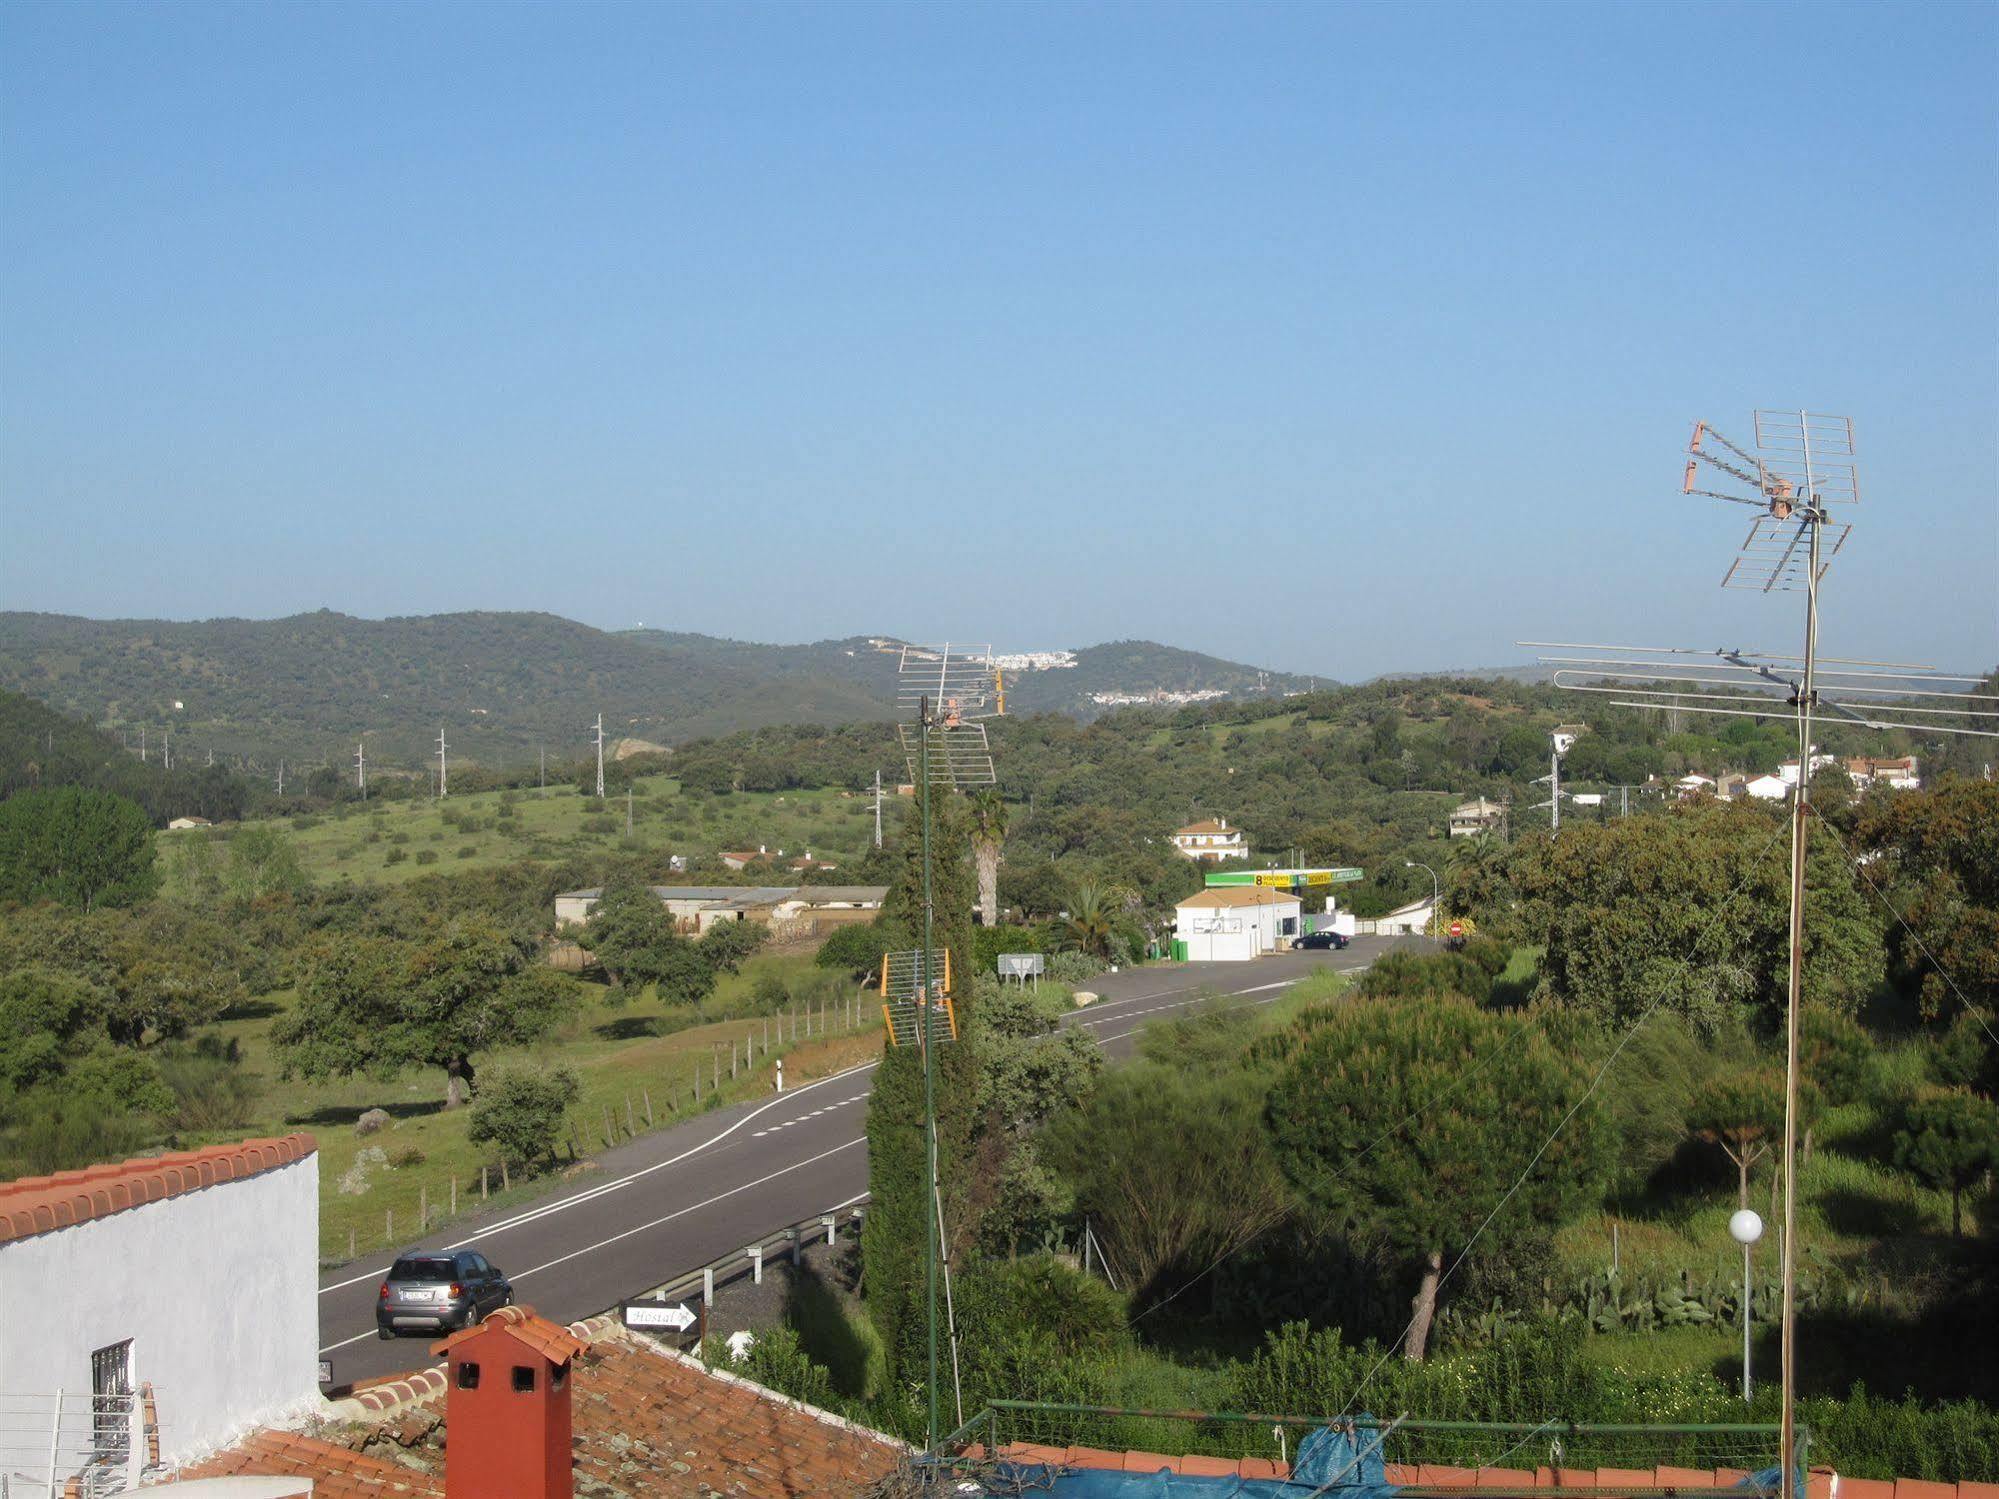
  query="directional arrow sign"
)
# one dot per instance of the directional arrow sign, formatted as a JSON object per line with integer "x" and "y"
{"x": 678, "y": 1317}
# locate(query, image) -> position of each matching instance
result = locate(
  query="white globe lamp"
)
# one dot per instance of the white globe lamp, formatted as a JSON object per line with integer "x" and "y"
{"x": 1745, "y": 1226}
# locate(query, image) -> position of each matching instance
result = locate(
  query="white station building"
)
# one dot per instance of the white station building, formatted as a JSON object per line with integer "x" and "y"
{"x": 1235, "y": 924}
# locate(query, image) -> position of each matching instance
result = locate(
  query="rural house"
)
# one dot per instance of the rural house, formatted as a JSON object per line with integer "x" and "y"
{"x": 1210, "y": 839}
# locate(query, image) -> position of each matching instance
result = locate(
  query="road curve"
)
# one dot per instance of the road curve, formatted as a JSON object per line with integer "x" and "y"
{"x": 683, "y": 1196}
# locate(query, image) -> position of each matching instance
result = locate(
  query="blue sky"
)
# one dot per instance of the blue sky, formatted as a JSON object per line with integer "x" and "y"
{"x": 1334, "y": 338}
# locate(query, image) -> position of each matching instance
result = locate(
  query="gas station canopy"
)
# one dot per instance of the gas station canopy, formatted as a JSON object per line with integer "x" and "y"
{"x": 1283, "y": 879}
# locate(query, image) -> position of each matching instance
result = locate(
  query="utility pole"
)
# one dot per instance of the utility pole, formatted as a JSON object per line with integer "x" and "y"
{"x": 142, "y": 744}
{"x": 544, "y": 770}
{"x": 600, "y": 757}
{"x": 281, "y": 778}
{"x": 1554, "y": 792}
{"x": 361, "y": 768}
{"x": 167, "y": 750}
{"x": 628, "y": 809}
{"x": 878, "y": 809}
{"x": 441, "y": 781}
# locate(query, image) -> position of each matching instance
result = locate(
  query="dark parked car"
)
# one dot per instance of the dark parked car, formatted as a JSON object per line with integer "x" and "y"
{"x": 439, "y": 1292}
{"x": 1319, "y": 939}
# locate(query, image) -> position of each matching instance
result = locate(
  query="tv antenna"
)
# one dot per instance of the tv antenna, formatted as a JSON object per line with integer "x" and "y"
{"x": 1799, "y": 466}
{"x": 947, "y": 692}
{"x": 361, "y": 767}
{"x": 599, "y": 740}
{"x": 440, "y": 763}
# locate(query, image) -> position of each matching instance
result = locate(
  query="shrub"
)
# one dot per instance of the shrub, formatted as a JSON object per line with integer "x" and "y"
{"x": 1073, "y": 967}
{"x": 522, "y": 1113}
{"x": 395, "y": 856}
{"x": 1428, "y": 975}
{"x": 855, "y": 949}
{"x": 406, "y": 1155}
{"x": 399, "y": 839}
{"x": 426, "y": 856}
{"x": 467, "y": 850}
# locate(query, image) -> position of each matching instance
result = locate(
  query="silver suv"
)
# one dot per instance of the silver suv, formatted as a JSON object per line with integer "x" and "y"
{"x": 438, "y": 1292}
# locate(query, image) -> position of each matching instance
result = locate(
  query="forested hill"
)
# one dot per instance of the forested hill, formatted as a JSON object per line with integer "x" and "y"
{"x": 1121, "y": 668}
{"x": 40, "y": 747}
{"x": 501, "y": 685}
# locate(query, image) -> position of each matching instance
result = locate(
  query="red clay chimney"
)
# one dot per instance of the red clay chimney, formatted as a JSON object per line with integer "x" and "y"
{"x": 506, "y": 1408}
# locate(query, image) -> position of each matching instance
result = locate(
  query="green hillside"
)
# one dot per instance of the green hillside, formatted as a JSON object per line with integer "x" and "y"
{"x": 41, "y": 747}
{"x": 503, "y": 686}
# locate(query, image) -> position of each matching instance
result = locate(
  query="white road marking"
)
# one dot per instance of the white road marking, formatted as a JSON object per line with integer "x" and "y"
{"x": 1096, "y": 1018}
{"x": 563, "y": 1205}
{"x": 693, "y": 1207}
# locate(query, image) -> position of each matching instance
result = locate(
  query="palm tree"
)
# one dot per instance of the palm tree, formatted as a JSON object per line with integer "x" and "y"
{"x": 988, "y": 833}
{"x": 1477, "y": 873}
{"x": 1092, "y": 921}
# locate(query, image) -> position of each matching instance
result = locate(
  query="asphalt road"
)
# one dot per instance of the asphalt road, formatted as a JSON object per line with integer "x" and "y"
{"x": 682, "y": 1197}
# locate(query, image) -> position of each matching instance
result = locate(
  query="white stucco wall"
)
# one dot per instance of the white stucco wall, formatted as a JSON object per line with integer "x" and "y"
{"x": 218, "y": 1289}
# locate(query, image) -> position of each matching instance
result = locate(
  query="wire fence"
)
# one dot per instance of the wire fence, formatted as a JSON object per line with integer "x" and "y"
{"x": 1442, "y": 1455}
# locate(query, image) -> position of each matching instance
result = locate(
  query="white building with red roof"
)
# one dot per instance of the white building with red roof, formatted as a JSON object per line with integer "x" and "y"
{"x": 157, "y": 1308}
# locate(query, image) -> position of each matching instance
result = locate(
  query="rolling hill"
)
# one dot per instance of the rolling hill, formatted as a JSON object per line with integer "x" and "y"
{"x": 501, "y": 685}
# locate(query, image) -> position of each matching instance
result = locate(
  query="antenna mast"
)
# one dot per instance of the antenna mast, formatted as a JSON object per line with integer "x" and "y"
{"x": 949, "y": 691}
{"x": 441, "y": 781}
{"x": 1801, "y": 464}
{"x": 361, "y": 768}
{"x": 600, "y": 756}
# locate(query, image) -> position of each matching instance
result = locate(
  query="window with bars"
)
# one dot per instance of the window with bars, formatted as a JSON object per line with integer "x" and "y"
{"x": 111, "y": 1402}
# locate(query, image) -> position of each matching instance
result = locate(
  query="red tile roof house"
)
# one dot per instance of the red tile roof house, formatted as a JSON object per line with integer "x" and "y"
{"x": 525, "y": 1409}
{"x": 156, "y": 1308}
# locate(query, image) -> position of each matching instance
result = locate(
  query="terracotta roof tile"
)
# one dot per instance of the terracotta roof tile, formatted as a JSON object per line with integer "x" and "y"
{"x": 336, "y": 1472}
{"x": 551, "y": 1340}
{"x": 645, "y": 1422}
{"x": 41, "y": 1204}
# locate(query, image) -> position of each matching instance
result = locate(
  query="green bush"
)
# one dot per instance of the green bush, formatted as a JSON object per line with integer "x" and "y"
{"x": 856, "y": 948}
{"x": 522, "y": 1114}
{"x": 426, "y": 856}
{"x": 395, "y": 856}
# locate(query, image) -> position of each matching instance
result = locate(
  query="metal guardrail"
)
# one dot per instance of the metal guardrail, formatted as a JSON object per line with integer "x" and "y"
{"x": 789, "y": 1241}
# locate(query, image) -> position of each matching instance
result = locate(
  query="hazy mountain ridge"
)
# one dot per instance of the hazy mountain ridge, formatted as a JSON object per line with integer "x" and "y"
{"x": 502, "y": 684}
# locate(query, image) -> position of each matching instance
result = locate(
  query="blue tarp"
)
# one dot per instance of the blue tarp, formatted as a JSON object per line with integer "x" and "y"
{"x": 1327, "y": 1453}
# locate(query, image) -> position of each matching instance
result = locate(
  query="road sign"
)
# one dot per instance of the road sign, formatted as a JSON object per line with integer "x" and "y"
{"x": 676, "y": 1317}
{"x": 1457, "y": 929}
{"x": 1014, "y": 965}
{"x": 326, "y": 1371}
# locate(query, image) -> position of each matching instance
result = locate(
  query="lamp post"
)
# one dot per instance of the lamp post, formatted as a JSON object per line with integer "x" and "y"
{"x": 1436, "y": 888}
{"x": 1745, "y": 1226}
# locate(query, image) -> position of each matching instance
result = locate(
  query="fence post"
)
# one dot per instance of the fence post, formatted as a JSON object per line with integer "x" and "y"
{"x": 610, "y": 1129}
{"x": 646, "y": 1094}
{"x": 482, "y": 1183}
{"x": 423, "y": 1209}
{"x": 766, "y": 1035}
{"x": 631, "y": 1119}
{"x": 697, "y": 1082}
{"x": 389, "y": 1226}
{"x": 732, "y": 1059}
{"x": 832, "y": 1229}
{"x": 756, "y": 1264}
{"x": 796, "y": 1238}
{"x": 505, "y": 1181}
{"x": 55, "y": 1446}
{"x": 350, "y": 1241}
{"x": 707, "y": 1285}
{"x": 715, "y": 1066}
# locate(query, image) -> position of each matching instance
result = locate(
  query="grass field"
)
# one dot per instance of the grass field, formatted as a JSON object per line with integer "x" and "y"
{"x": 632, "y": 1060}
{"x": 395, "y": 840}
